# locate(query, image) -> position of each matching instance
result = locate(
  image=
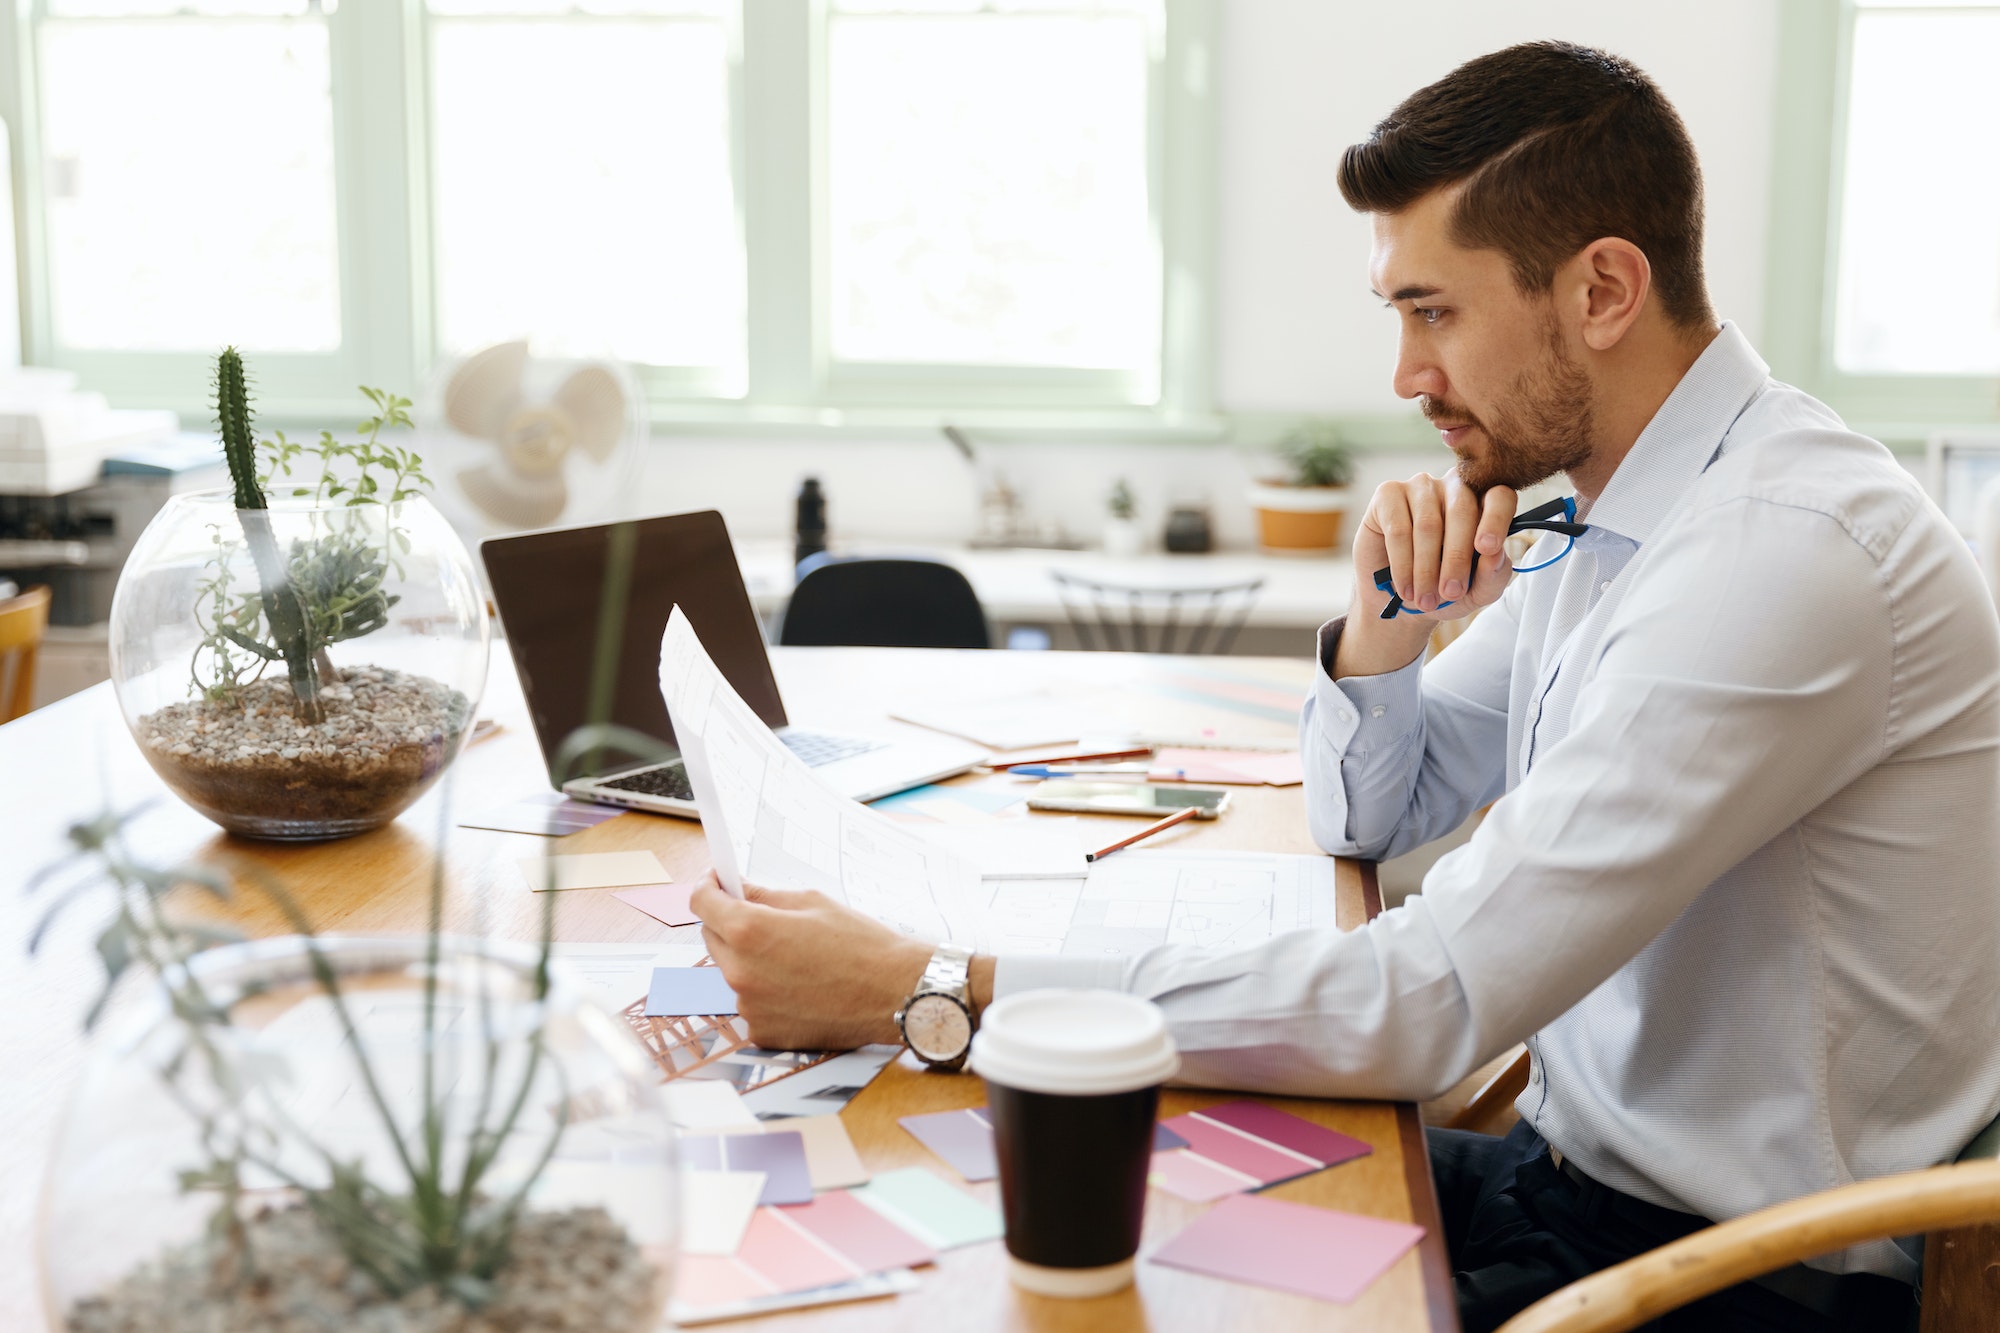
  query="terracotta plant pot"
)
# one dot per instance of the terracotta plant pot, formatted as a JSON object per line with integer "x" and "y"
{"x": 1299, "y": 518}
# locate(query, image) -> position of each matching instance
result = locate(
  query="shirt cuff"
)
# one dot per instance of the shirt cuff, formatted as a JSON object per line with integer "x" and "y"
{"x": 1013, "y": 973}
{"x": 1362, "y": 715}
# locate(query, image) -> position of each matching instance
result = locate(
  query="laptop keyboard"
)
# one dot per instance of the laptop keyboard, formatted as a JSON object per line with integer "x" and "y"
{"x": 816, "y": 749}
{"x": 670, "y": 780}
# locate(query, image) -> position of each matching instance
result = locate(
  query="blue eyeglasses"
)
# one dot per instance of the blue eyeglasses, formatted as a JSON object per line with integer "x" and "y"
{"x": 1555, "y": 516}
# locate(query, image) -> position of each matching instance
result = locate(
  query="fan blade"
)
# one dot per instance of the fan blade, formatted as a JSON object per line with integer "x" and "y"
{"x": 484, "y": 388}
{"x": 596, "y": 404}
{"x": 516, "y": 501}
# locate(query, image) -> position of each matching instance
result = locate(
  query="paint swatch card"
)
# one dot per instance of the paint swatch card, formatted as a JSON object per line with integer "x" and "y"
{"x": 706, "y": 1103}
{"x": 938, "y": 1213}
{"x": 716, "y": 1208}
{"x": 1289, "y": 1246}
{"x": 546, "y": 814}
{"x": 686, "y": 992}
{"x": 662, "y": 902}
{"x": 594, "y": 870}
{"x": 833, "y": 1240}
{"x": 1245, "y": 1145}
{"x": 962, "y": 1138}
{"x": 779, "y": 1155}
{"x": 830, "y": 1155}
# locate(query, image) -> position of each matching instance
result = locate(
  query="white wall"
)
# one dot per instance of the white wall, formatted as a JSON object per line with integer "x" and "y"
{"x": 1299, "y": 80}
{"x": 1302, "y": 79}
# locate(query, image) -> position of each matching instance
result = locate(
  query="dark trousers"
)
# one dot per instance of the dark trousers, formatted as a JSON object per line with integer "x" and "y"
{"x": 1518, "y": 1228}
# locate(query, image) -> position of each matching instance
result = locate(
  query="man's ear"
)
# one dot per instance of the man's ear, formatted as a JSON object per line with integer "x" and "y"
{"x": 1609, "y": 280}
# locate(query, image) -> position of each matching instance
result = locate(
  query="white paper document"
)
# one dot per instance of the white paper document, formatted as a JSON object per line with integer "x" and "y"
{"x": 770, "y": 821}
{"x": 1135, "y": 900}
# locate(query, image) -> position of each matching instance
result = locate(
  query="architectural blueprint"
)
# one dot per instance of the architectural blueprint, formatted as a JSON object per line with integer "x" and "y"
{"x": 768, "y": 820}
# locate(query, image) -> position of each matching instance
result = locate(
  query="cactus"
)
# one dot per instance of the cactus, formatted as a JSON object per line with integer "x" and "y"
{"x": 283, "y": 611}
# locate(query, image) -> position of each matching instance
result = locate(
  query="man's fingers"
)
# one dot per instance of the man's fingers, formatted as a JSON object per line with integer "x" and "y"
{"x": 790, "y": 900}
{"x": 1426, "y": 539}
{"x": 1461, "y": 527}
{"x": 1496, "y": 570}
{"x": 1391, "y": 513}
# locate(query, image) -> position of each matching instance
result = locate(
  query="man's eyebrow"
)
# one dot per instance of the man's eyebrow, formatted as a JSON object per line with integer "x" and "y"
{"x": 1417, "y": 293}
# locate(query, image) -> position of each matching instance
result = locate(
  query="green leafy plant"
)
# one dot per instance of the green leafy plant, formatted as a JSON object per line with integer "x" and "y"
{"x": 1121, "y": 502}
{"x": 324, "y": 589}
{"x": 443, "y": 1226}
{"x": 1316, "y": 454}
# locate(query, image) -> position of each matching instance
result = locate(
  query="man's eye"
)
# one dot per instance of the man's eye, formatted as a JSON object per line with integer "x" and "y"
{"x": 1429, "y": 314}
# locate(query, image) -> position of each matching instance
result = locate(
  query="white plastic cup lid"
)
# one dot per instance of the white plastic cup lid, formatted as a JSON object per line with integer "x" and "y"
{"x": 1078, "y": 1043}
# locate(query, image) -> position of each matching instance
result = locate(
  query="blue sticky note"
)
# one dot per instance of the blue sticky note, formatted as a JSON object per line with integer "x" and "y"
{"x": 686, "y": 992}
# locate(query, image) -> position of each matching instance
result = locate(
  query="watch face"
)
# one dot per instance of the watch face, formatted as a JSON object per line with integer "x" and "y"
{"x": 937, "y": 1027}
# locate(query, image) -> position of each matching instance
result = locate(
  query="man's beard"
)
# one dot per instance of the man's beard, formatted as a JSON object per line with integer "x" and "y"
{"x": 1543, "y": 427}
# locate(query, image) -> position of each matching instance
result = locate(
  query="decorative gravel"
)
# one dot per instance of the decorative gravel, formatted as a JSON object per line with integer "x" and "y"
{"x": 573, "y": 1271}
{"x": 254, "y": 766}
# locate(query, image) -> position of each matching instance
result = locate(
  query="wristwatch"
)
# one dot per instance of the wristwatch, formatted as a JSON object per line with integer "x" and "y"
{"x": 936, "y": 1020}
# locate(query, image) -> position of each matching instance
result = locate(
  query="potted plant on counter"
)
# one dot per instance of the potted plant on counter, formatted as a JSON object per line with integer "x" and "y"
{"x": 1301, "y": 509}
{"x": 1123, "y": 537}
{"x": 300, "y": 657}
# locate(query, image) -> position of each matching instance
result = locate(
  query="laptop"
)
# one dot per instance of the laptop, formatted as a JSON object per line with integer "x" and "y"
{"x": 546, "y": 586}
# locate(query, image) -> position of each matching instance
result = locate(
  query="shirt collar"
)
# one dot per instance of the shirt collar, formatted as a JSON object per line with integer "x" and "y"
{"x": 1683, "y": 436}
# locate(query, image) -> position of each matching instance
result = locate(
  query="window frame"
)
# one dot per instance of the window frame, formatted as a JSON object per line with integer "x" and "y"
{"x": 790, "y": 385}
{"x": 1815, "y": 62}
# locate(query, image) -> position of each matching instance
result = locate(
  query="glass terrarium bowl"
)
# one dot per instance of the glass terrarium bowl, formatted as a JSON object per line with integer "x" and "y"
{"x": 378, "y": 604}
{"x": 124, "y": 1240}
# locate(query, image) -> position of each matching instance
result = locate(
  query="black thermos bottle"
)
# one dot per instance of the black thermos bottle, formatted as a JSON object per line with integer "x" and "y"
{"x": 812, "y": 521}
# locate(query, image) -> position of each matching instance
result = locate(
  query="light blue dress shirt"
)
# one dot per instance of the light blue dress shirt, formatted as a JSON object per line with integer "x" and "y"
{"x": 1741, "y": 890}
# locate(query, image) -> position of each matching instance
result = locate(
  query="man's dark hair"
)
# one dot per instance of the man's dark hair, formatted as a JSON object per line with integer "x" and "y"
{"x": 1558, "y": 146}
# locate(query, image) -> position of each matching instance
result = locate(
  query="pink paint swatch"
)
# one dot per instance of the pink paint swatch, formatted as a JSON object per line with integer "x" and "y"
{"x": 662, "y": 902}
{"x": 868, "y": 1240}
{"x": 1271, "y": 1243}
{"x": 1239, "y": 1152}
{"x": 1195, "y": 1179}
{"x": 1247, "y": 1139}
{"x": 787, "y": 1257}
{"x": 1287, "y": 1131}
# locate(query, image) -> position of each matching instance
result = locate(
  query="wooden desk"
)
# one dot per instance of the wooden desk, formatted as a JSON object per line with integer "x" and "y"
{"x": 56, "y": 763}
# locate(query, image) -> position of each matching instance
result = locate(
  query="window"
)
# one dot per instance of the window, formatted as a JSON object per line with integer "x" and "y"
{"x": 1884, "y": 288}
{"x": 780, "y": 211}
{"x": 1923, "y": 135}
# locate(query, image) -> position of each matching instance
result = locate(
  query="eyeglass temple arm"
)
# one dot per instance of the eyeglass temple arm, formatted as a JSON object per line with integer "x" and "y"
{"x": 1542, "y": 518}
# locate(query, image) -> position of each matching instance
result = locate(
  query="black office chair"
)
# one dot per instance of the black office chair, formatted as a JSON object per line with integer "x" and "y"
{"x": 864, "y": 602}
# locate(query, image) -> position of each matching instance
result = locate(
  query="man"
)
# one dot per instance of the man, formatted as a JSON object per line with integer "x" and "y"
{"x": 1740, "y": 895}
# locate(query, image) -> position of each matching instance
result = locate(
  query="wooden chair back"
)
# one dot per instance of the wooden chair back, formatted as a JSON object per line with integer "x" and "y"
{"x": 1944, "y": 1198}
{"x": 23, "y": 620}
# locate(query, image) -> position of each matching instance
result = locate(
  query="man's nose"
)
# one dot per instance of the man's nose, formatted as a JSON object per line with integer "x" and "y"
{"x": 1416, "y": 371}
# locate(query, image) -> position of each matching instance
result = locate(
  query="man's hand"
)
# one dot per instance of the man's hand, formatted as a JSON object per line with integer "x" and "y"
{"x": 809, "y": 973}
{"x": 1425, "y": 530}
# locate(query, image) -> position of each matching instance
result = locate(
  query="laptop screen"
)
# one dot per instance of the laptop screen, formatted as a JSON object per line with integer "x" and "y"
{"x": 548, "y": 586}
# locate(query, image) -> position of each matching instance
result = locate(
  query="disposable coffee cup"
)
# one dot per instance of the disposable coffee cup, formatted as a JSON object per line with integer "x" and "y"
{"x": 1072, "y": 1086}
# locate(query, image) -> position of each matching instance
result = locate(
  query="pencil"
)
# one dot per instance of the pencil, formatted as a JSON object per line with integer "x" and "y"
{"x": 1177, "y": 817}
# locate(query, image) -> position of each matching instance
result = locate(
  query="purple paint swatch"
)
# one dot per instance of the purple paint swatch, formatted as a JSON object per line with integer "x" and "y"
{"x": 1165, "y": 1140}
{"x": 1323, "y": 1145}
{"x": 962, "y": 1138}
{"x": 780, "y": 1155}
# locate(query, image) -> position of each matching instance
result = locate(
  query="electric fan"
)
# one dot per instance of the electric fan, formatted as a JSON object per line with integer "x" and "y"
{"x": 517, "y": 441}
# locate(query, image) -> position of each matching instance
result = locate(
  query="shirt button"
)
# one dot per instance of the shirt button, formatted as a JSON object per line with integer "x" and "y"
{"x": 1345, "y": 716}
{"x": 1604, "y": 587}
{"x": 1377, "y": 711}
